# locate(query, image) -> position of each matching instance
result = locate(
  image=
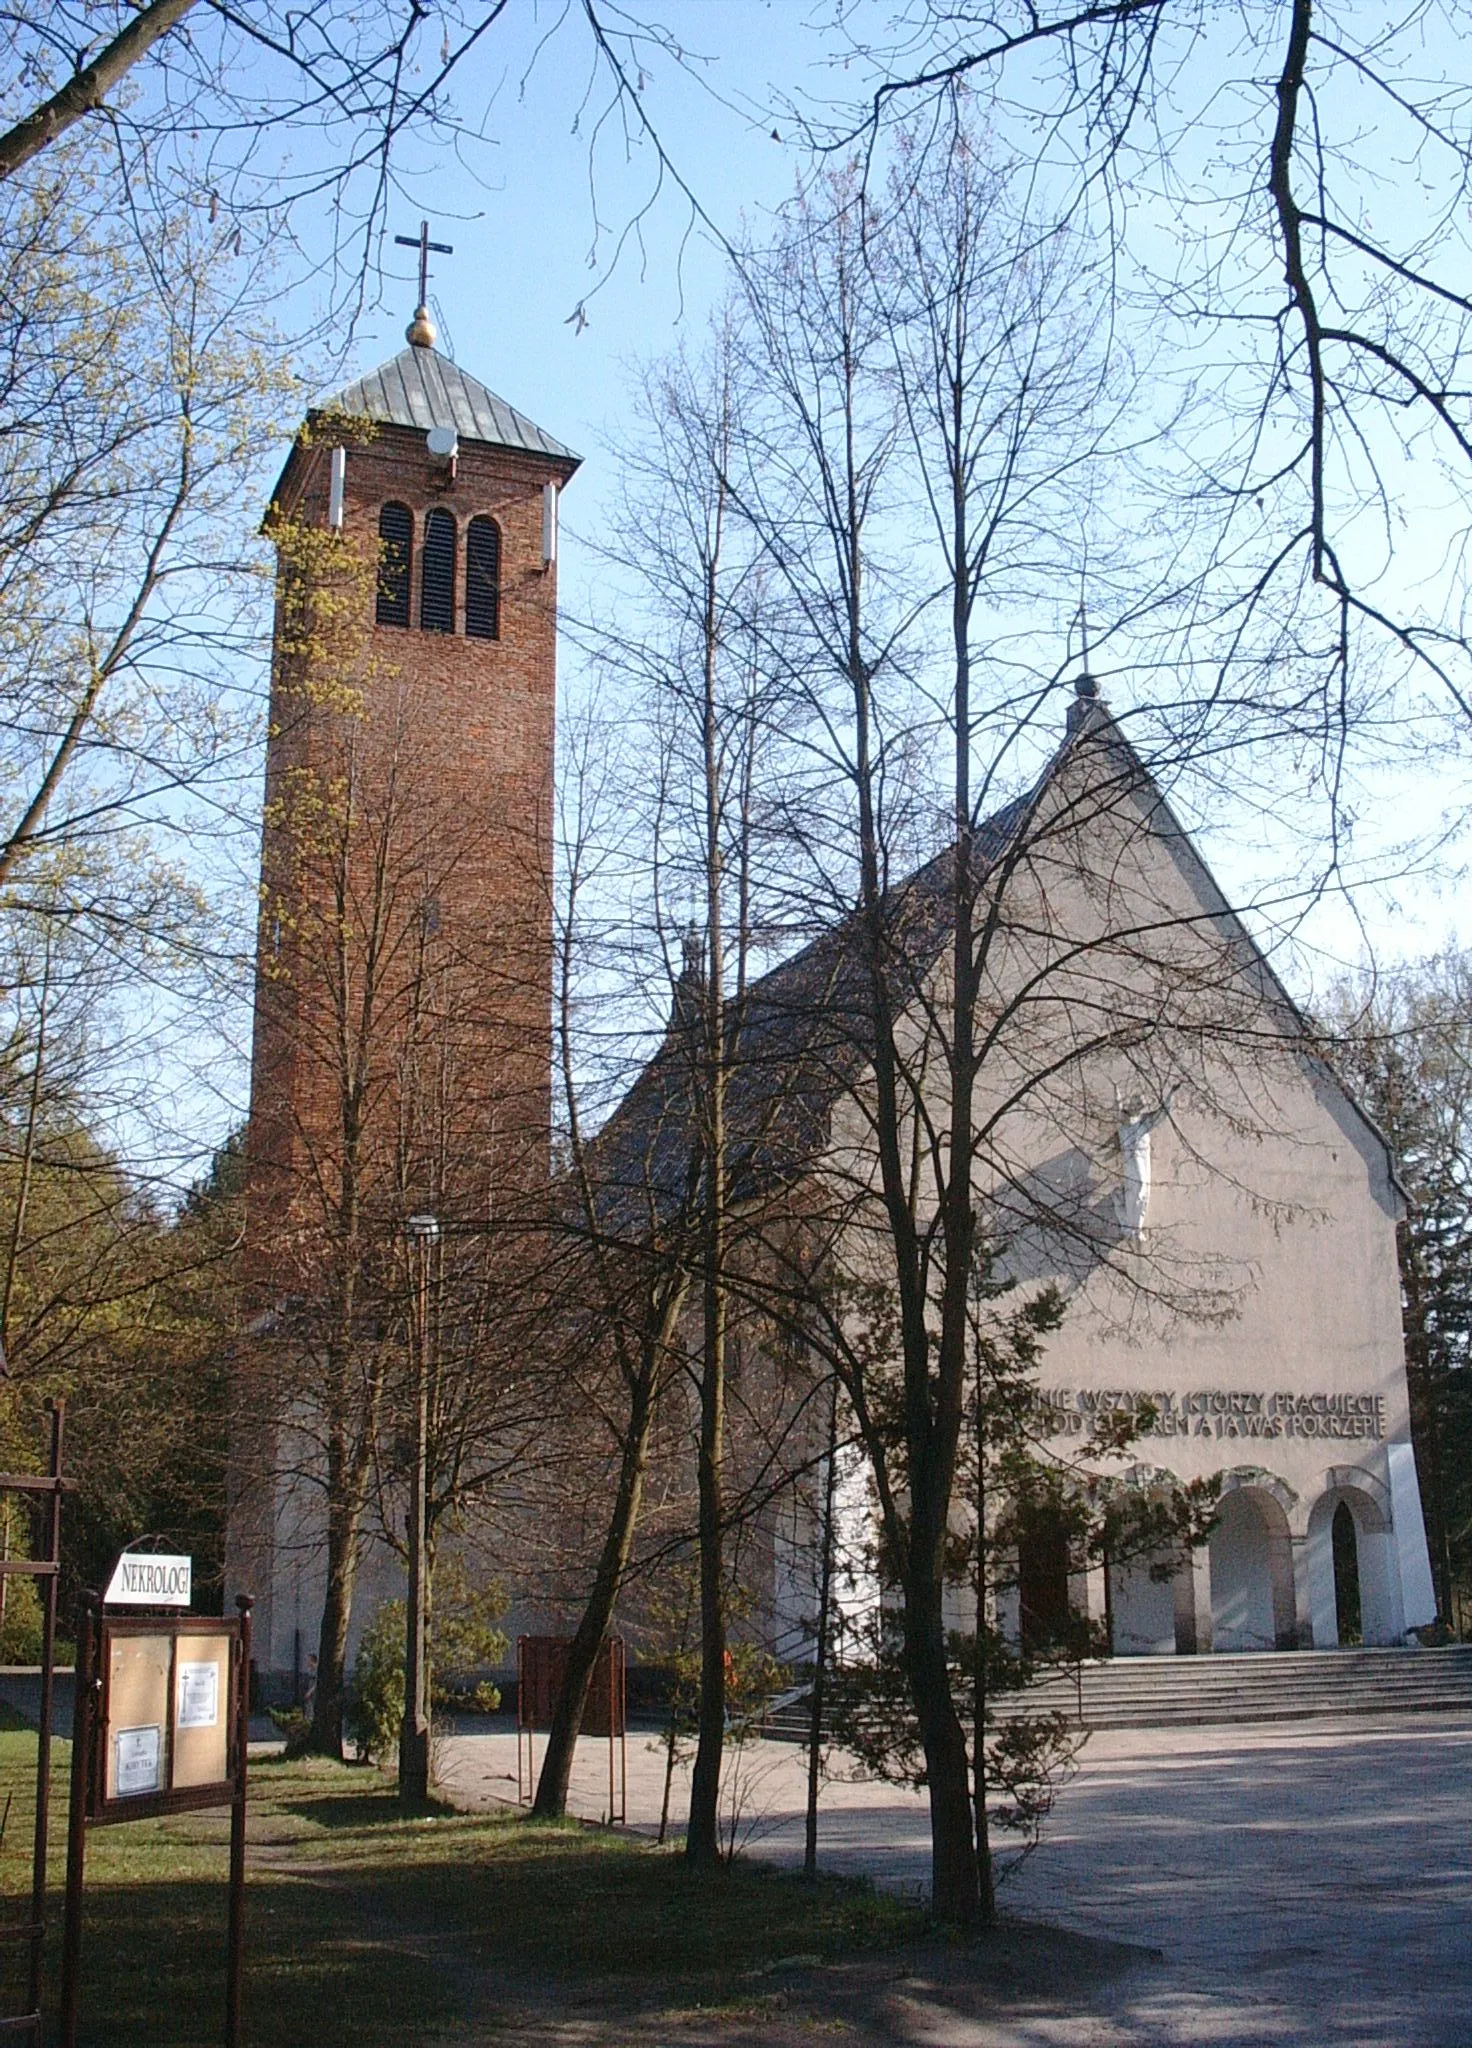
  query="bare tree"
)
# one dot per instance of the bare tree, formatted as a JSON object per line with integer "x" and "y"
{"x": 654, "y": 1187}
{"x": 1260, "y": 140}
{"x": 1401, "y": 1038}
{"x": 933, "y": 352}
{"x": 263, "y": 108}
{"x": 627, "y": 1255}
{"x": 134, "y": 377}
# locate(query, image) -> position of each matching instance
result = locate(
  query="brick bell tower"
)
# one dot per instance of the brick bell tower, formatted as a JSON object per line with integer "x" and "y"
{"x": 402, "y": 1046}
{"x": 407, "y": 843}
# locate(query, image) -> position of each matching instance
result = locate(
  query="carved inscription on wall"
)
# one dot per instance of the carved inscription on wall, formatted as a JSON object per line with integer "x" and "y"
{"x": 1213, "y": 1412}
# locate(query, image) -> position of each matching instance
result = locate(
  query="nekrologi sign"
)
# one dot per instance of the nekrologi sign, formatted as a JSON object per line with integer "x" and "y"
{"x": 140, "y": 1580}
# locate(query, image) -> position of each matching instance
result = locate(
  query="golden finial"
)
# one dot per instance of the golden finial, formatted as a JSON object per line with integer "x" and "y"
{"x": 420, "y": 331}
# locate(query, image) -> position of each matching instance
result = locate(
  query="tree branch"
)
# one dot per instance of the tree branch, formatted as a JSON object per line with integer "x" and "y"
{"x": 86, "y": 89}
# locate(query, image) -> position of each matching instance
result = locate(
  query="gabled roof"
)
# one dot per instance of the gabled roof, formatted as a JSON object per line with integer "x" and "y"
{"x": 805, "y": 1031}
{"x": 802, "y": 1036}
{"x": 1312, "y": 1046}
{"x": 421, "y": 388}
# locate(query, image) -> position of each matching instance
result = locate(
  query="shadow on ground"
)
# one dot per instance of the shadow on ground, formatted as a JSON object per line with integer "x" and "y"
{"x": 1019, "y": 1986}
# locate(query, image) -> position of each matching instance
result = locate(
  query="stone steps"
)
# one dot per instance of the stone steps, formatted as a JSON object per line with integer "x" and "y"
{"x": 1287, "y": 1685}
{"x": 1147, "y": 1692}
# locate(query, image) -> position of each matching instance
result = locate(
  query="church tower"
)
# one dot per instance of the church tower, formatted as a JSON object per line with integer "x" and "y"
{"x": 402, "y": 1051}
{"x": 405, "y": 942}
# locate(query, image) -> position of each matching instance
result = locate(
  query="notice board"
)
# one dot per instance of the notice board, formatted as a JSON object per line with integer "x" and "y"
{"x": 167, "y": 1727}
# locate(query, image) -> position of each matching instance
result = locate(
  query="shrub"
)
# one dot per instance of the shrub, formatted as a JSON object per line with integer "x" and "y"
{"x": 296, "y": 1726}
{"x": 464, "y": 1636}
{"x": 20, "y": 1640}
{"x": 378, "y": 1684}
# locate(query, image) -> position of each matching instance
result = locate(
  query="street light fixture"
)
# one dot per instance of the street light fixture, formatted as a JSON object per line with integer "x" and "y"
{"x": 422, "y": 1235}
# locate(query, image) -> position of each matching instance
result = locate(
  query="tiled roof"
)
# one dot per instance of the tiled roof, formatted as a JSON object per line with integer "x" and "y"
{"x": 421, "y": 388}
{"x": 805, "y": 1032}
{"x": 804, "y": 1035}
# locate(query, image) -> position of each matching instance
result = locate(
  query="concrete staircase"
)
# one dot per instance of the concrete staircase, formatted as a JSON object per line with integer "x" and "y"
{"x": 1286, "y": 1685}
{"x": 1157, "y": 1692}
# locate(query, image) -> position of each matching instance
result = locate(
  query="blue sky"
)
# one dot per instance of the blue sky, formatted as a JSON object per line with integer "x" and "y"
{"x": 535, "y": 216}
{"x": 554, "y": 208}
{"x": 526, "y": 212}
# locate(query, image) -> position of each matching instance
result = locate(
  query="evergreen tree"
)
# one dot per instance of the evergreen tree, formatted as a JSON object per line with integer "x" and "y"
{"x": 1404, "y": 1043}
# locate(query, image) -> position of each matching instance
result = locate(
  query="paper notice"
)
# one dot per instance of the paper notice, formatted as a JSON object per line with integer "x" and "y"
{"x": 137, "y": 1761}
{"x": 199, "y": 1696}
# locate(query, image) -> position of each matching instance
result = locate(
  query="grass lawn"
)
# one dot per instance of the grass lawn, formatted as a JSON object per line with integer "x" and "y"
{"x": 369, "y": 1929}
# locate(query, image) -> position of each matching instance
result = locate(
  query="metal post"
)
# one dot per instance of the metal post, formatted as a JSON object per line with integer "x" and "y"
{"x": 623, "y": 1733}
{"x": 48, "y": 1660}
{"x": 235, "y": 1955}
{"x": 414, "y": 1734}
{"x": 76, "y": 1834}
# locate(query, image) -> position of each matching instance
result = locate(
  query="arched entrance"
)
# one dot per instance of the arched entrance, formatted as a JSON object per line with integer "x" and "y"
{"x": 1345, "y": 1546}
{"x": 1143, "y": 1593}
{"x": 1142, "y": 1605}
{"x": 1251, "y": 1555}
{"x": 1351, "y": 1583}
{"x": 1044, "y": 1614}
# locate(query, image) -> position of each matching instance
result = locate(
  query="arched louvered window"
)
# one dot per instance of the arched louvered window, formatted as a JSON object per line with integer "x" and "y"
{"x": 483, "y": 579}
{"x": 437, "y": 573}
{"x": 395, "y": 559}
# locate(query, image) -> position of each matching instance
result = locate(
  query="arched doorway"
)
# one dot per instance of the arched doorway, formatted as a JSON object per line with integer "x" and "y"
{"x": 1352, "y": 1588}
{"x": 1044, "y": 1614}
{"x": 1143, "y": 1592}
{"x": 1251, "y": 1557}
{"x": 1142, "y": 1605}
{"x": 1344, "y": 1543}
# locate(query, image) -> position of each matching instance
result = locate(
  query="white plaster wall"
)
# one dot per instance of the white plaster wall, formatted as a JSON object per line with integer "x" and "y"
{"x": 1143, "y": 1611}
{"x": 1267, "y": 1265}
{"x": 1241, "y": 1561}
{"x": 1382, "y": 1614}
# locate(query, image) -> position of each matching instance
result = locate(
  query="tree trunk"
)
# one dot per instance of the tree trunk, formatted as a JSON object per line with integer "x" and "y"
{"x": 89, "y": 86}
{"x": 671, "y": 1736}
{"x": 986, "y": 1885}
{"x": 955, "y": 1897}
{"x": 567, "y": 1716}
{"x": 347, "y": 1476}
{"x": 330, "y": 1699}
{"x": 820, "y": 1646}
{"x": 702, "y": 1833}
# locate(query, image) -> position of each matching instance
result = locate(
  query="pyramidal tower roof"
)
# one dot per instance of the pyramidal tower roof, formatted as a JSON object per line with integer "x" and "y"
{"x": 421, "y": 388}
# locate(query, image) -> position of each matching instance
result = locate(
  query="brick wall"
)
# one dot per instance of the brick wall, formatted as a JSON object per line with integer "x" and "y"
{"x": 436, "y": 899}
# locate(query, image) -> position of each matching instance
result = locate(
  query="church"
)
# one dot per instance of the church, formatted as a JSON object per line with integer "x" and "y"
{"x": 1162, "y": 1140}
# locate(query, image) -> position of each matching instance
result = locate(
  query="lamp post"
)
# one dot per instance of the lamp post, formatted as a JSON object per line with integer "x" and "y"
{"x": 422, "y": 1234}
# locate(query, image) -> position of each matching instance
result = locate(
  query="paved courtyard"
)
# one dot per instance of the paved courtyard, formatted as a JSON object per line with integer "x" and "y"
{"x": 1303, "y": 1883}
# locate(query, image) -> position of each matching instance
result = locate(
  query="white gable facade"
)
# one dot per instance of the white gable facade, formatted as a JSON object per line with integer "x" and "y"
{"x": 1161, "y": 1140}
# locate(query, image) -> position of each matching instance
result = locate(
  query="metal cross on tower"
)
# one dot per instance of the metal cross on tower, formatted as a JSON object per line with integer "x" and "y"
{"x": 425, "y": 246}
